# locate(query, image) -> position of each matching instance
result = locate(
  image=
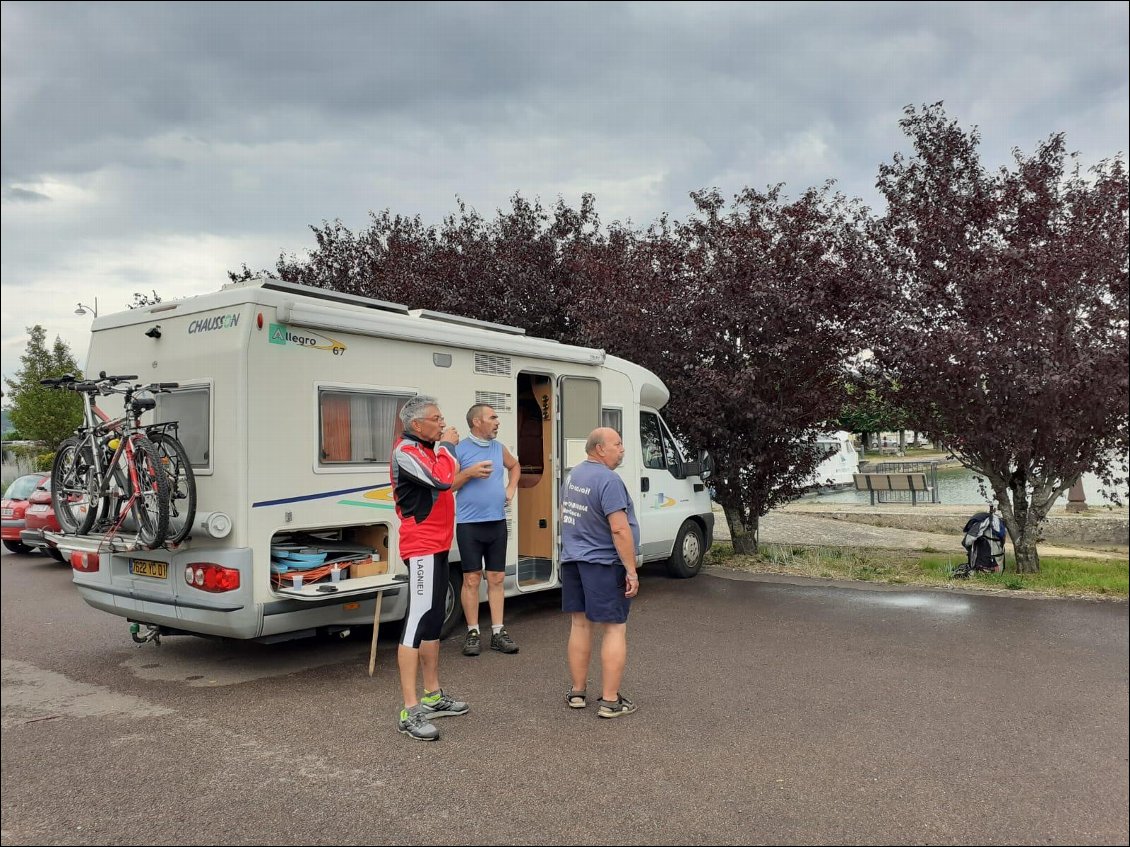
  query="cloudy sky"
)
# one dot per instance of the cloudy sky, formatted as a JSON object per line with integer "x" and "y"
{"x": 158, "y": 145}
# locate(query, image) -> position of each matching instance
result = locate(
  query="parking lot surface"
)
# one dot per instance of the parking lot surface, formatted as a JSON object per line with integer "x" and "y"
{"x": 779, "y": 712}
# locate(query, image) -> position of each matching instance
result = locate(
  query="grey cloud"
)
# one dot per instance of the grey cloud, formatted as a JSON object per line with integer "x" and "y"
{"x": 184, "y": 138}
{"x": 23, "y": 195}
{"x": 116, "y": 75}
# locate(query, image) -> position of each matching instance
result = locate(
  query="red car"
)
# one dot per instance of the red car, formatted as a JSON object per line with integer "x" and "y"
{"x": 40, "y": 517}
{"x": 15, "y": 505}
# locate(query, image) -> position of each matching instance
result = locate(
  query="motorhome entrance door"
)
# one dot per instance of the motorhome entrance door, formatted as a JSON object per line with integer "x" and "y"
{"x": 580, "y": 415}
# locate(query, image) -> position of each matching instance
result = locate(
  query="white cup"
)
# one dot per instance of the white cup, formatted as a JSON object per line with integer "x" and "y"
{"x": 298, "y": 580}
{"x": 335, "y": 574}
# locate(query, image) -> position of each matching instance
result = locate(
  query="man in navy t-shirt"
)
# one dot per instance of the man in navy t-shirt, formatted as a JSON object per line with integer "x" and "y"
{"x": 599, "y": 540}
{"x": 485, "y": 484}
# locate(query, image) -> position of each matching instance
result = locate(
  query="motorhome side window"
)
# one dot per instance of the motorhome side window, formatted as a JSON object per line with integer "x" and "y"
{"x": 191, "y": 409}
{"x": 651, "y": 441}
{"x": 613, "y": 419}
{"x": 357, "y": 426}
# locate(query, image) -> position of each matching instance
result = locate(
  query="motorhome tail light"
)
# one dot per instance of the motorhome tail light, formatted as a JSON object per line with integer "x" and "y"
{"x": 211, "y": 577}
{"x": 85, "y": 562}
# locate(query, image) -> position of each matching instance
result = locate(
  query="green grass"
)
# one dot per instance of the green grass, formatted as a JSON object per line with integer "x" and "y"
{"x": 1057, "y": 577}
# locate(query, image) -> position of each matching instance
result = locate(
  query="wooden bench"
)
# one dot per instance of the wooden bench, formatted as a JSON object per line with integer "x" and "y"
{"x": 915, "y": 483}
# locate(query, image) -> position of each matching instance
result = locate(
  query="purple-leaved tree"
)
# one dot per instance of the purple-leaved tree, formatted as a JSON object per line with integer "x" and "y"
{"x": 1006, "y": 326}
{"x": 750, "y": 316}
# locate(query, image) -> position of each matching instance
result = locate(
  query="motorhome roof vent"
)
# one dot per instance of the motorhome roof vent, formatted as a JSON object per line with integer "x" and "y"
{"x": 489, "y": 363}
{"x": 497, "y": 400}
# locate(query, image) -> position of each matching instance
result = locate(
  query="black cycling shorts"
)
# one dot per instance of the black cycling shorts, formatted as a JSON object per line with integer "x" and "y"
{"x": 483, "y": 542}
{"x": 427, "y": 598}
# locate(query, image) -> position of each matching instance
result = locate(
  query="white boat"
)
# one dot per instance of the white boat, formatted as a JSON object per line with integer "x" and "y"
{"x": 836, "y": 471}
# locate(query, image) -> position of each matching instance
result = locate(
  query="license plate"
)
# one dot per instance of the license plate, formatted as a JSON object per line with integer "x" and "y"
{"x": 145, "y": 567}
{"x": 7, "y": 513}
{"x": 42, "y": 507}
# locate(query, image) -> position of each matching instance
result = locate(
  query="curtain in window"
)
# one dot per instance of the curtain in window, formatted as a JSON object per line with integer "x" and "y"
{"x": 336, "y": 440}
{"x": 359, "y": 427}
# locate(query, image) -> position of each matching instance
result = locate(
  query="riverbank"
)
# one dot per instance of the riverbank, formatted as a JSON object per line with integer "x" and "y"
{"x": 926, "y": 528}
{"x": 891, "y": 544}
{"x": 1095, "y": 530}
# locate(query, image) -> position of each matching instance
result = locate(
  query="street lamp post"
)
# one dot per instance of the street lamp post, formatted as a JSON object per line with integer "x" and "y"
{"x": 85, "y": 310}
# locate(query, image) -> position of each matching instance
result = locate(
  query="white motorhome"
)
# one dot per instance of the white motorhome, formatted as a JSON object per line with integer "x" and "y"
{"x": 287, "y": 407}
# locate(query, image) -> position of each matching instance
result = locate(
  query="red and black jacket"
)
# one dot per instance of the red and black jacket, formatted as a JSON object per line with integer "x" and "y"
{"x": 422, "y": 473}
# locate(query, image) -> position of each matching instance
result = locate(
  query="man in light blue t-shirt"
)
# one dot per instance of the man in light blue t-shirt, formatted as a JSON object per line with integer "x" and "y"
{"x": 485, "y": 484}
{"x": 599, "y": 540}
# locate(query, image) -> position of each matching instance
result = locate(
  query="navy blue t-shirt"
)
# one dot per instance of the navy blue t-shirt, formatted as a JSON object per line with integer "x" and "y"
{"x": 591, "y": 492}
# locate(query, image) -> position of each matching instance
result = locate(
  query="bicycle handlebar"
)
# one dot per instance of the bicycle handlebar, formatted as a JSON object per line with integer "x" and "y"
{"x": 62, "y": 380}
{"x": 107, "y": 385}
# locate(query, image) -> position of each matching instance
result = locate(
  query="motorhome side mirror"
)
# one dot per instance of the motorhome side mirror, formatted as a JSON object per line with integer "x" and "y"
{"x": 706, "y": 461}
{"x": 692, "y": 468}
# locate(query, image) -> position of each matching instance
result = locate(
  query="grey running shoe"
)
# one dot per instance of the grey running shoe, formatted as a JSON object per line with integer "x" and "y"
{"x": 471, "y": 643}
{"x": 439, "y": 705}
{"x": 415, "y": 724}
{"x": 502, "y": 642}
{"x": 616, "y": 708}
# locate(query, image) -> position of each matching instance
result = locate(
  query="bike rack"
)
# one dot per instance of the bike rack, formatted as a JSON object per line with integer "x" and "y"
{"x": 94, "y": 542}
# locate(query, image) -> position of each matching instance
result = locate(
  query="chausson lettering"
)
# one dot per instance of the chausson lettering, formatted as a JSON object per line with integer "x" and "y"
{"x": 213, "y": 323}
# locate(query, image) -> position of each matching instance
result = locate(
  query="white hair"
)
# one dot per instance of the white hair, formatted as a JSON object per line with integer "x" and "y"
{"x": 414, "y": 409}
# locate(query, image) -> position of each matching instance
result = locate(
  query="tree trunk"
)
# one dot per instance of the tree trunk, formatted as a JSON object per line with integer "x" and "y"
{"x": 1027, "y": 558}
{"x": 1022, "y": 517}
{"x": 743, "y": 532}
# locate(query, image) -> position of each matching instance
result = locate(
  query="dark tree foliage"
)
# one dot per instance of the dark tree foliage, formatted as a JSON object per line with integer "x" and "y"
{"x": 516, "y": 269}
{"x": 1007, "y": 332}
{"x": 38, "y": 412}
{"x": 745, "y": 315}
{"x": 748, "y": 317}
{"x": 141, "y": 300}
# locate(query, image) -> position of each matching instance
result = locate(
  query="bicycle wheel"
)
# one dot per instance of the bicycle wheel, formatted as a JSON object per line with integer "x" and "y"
{"x": 149, "y": 502}
{"x": 182, "y": 485}
{"x": 72, "y": 481}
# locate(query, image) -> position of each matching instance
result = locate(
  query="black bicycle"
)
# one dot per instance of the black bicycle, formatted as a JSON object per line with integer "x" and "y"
{"x": 173, "y": 459}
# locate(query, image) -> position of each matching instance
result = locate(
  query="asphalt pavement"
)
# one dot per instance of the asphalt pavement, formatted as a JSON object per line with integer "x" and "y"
{"x": 775, "y": 712}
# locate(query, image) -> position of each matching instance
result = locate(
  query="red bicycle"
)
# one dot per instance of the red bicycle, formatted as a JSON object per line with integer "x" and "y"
{"x": 109, "y": 475}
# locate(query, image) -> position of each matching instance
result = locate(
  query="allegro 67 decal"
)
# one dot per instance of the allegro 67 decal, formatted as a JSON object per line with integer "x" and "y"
{"x": 285, "y": 335}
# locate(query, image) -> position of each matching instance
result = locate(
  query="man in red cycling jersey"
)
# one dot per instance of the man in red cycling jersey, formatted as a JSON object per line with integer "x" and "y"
{"x": 423, "y": 467}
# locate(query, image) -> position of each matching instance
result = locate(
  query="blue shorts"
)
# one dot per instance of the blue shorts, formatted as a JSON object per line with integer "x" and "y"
{"x": 596, "y": 590}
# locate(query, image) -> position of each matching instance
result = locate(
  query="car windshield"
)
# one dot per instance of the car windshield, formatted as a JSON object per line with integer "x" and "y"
{"x": 21, "y": 489}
